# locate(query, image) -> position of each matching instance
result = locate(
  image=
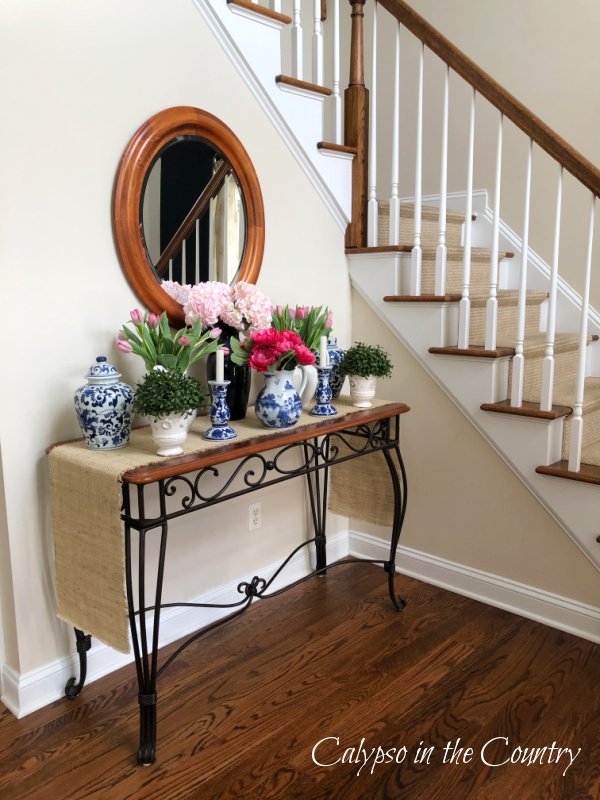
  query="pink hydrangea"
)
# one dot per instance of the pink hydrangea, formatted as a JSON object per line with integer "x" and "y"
{"x": 206, "y": 302}
{"x": 251, "y": 309}
{"x": 178, "y": 292}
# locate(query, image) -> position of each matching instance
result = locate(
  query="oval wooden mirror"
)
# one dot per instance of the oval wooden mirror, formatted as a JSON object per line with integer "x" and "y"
{"x": 187, "y": 206}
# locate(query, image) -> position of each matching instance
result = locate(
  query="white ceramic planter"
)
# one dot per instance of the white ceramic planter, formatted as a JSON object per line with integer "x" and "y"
{"x": 170, "y": 432}
{"x": 362, "y": 390}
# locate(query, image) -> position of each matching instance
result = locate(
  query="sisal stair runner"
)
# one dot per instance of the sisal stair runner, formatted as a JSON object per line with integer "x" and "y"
{"x": 565, "y": 346}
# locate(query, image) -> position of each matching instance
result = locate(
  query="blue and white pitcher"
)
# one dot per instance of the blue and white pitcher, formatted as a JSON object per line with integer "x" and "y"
{"x": 278, "y": 404}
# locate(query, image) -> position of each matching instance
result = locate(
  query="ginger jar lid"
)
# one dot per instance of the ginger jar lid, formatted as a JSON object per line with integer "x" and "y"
{"x": 102, "y": 372}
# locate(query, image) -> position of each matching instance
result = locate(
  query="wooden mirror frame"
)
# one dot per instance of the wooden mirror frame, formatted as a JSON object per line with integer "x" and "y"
{"x": 144, "y": 146}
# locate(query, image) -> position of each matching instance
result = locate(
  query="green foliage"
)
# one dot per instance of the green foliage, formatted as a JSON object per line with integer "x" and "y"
{"x": 365, "y": 360}
{"x": 163, "y": 392}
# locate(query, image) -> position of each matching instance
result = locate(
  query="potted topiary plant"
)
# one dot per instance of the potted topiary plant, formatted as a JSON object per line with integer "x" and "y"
{"x": 171, "y": 399}
{"x": 364, "y": 363}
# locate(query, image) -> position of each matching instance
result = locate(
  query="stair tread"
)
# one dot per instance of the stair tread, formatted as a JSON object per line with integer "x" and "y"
{"x": 506, "y": 297}
{"x": 337, "y": 148}
{"x": 452, "y": 253}
{"x": 255, "y": 8}
{"x": 535, "y": 344}
{"x": 306, "y": 86}
{"x": 589, "y": 473}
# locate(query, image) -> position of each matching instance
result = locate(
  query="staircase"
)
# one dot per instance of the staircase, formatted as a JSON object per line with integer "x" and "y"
{"x": 510, "y": 342}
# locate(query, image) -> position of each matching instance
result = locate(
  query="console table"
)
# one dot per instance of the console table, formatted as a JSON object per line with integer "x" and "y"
{"x": 181, "y": 485}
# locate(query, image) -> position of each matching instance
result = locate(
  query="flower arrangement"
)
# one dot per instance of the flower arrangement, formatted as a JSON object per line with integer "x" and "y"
{"x": 242, "y": 307}
{"x": 151, "y": 338}
{"x": 271, "y": 350}
{"x": 161, "y": 393}
{"x": 309, "y": 323}
{"x": 366, "y": 360}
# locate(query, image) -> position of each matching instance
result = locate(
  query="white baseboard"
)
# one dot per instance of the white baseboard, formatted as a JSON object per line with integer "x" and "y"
{"x": 23, "y": 694}
{"x": 526, "y": 601}
{"x": 27, "y": 692}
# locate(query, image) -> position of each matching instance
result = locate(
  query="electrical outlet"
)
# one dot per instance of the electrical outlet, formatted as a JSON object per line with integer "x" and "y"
{"x": 254, "y": 516}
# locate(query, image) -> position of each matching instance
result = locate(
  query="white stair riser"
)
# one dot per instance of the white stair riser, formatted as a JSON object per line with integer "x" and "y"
{"x": 591, "y": 430}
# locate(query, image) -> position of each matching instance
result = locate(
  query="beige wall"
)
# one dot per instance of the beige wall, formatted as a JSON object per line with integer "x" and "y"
{"x": 465, "y": 504}
{"x": 546, "y": 54}
{"x": 76, "y": 81}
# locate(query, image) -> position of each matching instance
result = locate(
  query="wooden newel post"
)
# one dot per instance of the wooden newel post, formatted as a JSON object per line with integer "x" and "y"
{"x": 356, "y": 129}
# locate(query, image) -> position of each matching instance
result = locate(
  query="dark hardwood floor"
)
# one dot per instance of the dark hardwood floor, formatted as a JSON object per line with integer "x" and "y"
{"x": 241, "y": 711}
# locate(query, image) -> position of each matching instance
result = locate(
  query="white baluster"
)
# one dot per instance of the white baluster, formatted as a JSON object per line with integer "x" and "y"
{"x": 373, "y": 208}
{"x": 548, "y": 364}
{"x": 442, "y": 251}
{"x": 170, "y": 269}
{"x": 417, "y": 251}
{"x": 518, "y": 362}
{"x": 184, "y": 261}
{"x": 297, "y": 40}
{"x": 464, "y": 319}
{"x": 317, "y": 45}
{"x": 276, "y": 6}
{"x": 395, "y": 199}
{"x": 337, "y": 98}
{"x": 197, "y": 251}
{"x": 492, "y": 303}
{"x": 577, "y": 421}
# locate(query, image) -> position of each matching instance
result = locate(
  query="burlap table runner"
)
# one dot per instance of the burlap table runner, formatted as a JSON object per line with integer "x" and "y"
{"x": 88, "y": 535}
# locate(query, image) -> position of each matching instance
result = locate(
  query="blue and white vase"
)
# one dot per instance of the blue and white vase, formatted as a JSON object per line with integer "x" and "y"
{"x": 278, "y": 404}
{"x": 334, "y": 357}
{"x": 103, "y": 407}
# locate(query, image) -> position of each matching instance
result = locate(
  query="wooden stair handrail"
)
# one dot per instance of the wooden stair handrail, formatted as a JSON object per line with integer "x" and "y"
{"x": 212, "y": 188}
{"x": 523, "y": 118}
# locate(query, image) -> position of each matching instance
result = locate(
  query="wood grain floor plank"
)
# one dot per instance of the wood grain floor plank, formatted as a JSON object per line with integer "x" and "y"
{"x": 242, "y": 709}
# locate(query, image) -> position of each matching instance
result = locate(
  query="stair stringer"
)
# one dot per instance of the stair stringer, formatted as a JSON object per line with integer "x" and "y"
{"x": 522, "y": 442}
{"x": 254, "y": 47}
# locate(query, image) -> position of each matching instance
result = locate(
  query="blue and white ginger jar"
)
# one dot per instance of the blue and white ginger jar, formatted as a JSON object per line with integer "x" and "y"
{"x": 103, "y": 407}
{"x": 278, "y": 404}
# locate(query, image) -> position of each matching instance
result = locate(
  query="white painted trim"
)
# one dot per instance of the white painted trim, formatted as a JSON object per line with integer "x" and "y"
{"x": 212, "y": 19}
{"x": 335, "y": 154}
{"x": 256, "y": 16}
{"x": 311, "y": 94}
{"x": 27, "y": 692}
{"x": 559, "y": 612}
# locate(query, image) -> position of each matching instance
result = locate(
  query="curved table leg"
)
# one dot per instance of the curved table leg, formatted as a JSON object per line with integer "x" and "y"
{"x": 84, "y": 642}
{"x": 400, "y": 495}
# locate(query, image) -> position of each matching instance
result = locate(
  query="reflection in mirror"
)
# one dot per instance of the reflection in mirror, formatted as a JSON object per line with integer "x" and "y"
{"x": 192, "y": 214}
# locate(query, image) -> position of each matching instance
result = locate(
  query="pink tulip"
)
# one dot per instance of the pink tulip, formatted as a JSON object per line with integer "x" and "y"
{"x": 292, "y": 313}
{"x": 124, "y": 347}
{"x": 329, "y": 320}
{"x": 122, "y": 337}
{"x": 279, "y": 310}
{"x": 226, "y": 350}
{"x": 215, "y": 333}
{"x": 153, "y": 321}
{"x": 136, "y": 316}
{"x": 301, "y": 312}
{"x": 184, "y": 341}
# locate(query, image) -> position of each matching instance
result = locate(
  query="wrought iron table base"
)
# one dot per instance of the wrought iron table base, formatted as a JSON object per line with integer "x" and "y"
{"x": 319, "y": 455}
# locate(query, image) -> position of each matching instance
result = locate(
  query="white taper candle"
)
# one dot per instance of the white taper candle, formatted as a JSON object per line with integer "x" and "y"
{"x": 220, "y": 365}
{"x": 323, "y": 356}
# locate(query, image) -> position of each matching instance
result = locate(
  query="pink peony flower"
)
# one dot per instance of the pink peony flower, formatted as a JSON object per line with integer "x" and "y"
{"x": 124, "y": 347}
{"x": 266, "y": 336}
{"x": 304, "y": 355}
{"x": 262, "y": 358}
{"x": 136, "y": 316}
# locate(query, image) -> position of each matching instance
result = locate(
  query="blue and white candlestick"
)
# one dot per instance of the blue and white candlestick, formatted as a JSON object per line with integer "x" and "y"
{"x": 220, "y": 429}
{"x": 323, "y": 395}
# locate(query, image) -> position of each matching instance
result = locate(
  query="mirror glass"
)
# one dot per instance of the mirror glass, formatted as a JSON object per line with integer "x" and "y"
{"x": 192, "y": 214}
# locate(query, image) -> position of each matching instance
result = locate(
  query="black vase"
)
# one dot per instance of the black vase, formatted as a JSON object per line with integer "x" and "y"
{"x": 238, "y": 390}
